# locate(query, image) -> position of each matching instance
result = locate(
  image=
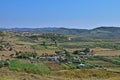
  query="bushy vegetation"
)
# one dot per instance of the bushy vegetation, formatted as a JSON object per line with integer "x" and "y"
{"x": 4, "y": 63}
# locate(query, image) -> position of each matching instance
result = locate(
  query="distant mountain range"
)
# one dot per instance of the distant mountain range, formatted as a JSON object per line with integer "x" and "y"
{"x": 98, "y": 32}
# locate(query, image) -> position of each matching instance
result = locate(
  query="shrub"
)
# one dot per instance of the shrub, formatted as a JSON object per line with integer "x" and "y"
{"x": 1, "y": 64}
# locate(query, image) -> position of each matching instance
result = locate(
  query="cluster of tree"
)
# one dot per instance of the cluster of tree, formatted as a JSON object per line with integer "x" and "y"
{"x": 25, "y": 55}
{"x": 1, "y": 33}
{"x": 1, "y": 47}
{"x": 82, "y": 52}
{"x": 5, "y": 46}
{"x": 25, "y": 38}
{"x": 33, "y": 37}
{"x": 4, "y": 63}
{"x": 62, "y": 52}
{"x": 53, "y": 37}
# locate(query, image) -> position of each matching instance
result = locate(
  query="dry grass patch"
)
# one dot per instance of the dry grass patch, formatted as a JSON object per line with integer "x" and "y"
{"x": 85, "y": 74}
{"x": 49, "y": 51}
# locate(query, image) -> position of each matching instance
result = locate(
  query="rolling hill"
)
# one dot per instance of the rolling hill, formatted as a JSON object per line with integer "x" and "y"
{"x": 97, "y": 32}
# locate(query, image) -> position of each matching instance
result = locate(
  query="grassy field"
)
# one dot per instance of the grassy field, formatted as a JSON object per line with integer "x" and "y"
{"x": 26, "y": 66}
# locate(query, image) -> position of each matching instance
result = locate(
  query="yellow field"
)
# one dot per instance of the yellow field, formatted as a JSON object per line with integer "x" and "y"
{"x": 106, "y": 52}
{"x": 91, "y": 74}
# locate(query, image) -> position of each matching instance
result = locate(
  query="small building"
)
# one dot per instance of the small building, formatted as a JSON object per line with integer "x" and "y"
{"x": 81, "y": 65}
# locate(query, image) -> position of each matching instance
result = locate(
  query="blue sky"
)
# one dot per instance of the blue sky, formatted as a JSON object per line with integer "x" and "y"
{"x": 59, "y": 13}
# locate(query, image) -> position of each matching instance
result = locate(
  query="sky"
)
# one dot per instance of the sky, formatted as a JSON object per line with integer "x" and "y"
{"x": 82, "y": 14}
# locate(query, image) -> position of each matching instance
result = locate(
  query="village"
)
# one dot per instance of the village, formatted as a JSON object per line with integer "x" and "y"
{"x": 76, "y": 57}
{"x": 61, "y": 56}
